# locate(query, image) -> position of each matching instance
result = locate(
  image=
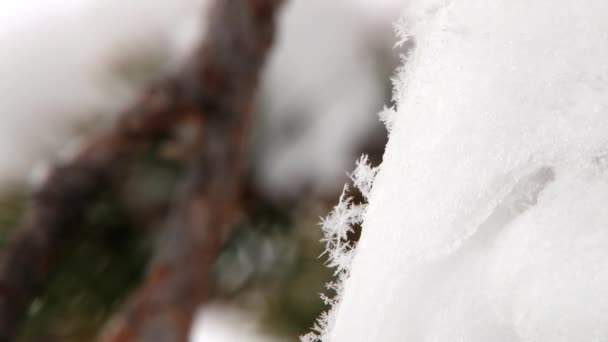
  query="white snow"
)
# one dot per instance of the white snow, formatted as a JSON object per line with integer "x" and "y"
{"x": 218, "y": 322}
{"x": 486, "y": 221}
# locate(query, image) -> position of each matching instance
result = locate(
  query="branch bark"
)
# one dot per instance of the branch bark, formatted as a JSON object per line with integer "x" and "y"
{"x": 217, "y": 87}
{"x": 58, "y": 206}
{"x": 178, "y": 281}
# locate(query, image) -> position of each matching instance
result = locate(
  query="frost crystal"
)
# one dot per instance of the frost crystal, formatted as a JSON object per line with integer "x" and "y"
{"x": 402, "y": 31}
{"x": 387, "y": 116}
{"x": 340, "y": 251}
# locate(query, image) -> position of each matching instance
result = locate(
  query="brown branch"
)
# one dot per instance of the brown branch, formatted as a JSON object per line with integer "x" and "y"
{"x": 218, "y": 86}
{"x": 178, "y": 281}
{"x": 58, "y": 206}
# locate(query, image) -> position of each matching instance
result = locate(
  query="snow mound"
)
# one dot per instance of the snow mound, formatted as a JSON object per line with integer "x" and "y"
{"x": 485, "y": 221}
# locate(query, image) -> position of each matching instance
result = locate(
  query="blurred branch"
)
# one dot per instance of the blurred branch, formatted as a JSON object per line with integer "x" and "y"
{"x": 240, "y": 35}
{"x": 58, "y": 206}
{"x": 216, "y": 88}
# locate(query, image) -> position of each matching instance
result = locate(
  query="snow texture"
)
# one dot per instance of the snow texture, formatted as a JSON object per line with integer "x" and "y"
{"x": 224, "y": 323}
{"x": 486, "y": 220}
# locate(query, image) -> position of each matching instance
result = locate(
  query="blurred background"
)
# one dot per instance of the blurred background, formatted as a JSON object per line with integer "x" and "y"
{"x": 67, "y": 67}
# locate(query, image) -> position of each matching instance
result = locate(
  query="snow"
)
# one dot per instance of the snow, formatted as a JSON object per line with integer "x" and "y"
{"x": 485, "y": 221}
{"x": 219, "y": 322}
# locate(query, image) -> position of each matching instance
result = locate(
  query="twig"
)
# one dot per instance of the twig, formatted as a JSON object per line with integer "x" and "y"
{"x": 58, "y": 206}
{"x": 217, "y": 85}
{"x": 178, "y": 281}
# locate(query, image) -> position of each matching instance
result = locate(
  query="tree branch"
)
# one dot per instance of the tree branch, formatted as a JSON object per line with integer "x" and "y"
{"x": 179, "y": 279}
{"x": 217, "y": 86}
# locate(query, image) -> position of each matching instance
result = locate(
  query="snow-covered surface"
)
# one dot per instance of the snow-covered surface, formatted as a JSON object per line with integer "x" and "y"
{"x": 223, "y": 323}
{"x": 486, "y": 221}
{"x": 59, "y": 60}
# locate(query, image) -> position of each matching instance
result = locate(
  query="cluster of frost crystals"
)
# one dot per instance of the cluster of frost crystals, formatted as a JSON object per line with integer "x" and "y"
{"x": 486, "y": 221}
{"x": 340, "y": 251}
